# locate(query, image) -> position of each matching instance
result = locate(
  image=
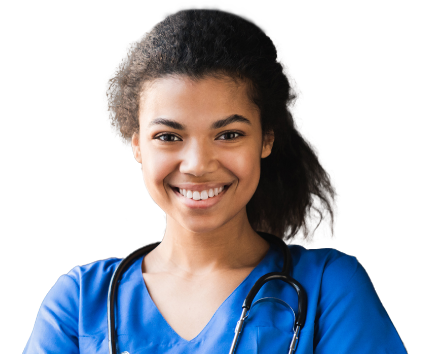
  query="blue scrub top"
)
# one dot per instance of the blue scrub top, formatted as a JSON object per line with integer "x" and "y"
{"x": 344, "y": 314}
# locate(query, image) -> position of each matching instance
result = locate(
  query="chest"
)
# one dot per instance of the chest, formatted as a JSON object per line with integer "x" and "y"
{"x": 187, "y": 305}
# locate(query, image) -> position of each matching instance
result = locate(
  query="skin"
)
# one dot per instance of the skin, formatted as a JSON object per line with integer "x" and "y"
{"x": 206, "y": 252}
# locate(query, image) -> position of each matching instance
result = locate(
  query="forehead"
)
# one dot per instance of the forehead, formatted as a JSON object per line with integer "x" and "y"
{"x": 203, "y": 99}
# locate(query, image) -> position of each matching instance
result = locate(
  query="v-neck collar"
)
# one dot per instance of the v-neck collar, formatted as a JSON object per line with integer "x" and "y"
{"x": 233, "y": 301}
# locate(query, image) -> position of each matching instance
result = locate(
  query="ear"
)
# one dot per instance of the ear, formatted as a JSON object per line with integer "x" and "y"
{"x": 268, "y": 140}
{"x": 135, "y": 142}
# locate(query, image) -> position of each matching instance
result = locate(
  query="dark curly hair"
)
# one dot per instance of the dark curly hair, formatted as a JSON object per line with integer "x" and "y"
{"x": 201, "y": 43}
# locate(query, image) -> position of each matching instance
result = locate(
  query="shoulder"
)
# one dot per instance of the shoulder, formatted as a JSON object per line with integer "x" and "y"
{"x": 82, "y": 282}
{"x": 330, "y": 274}
{"x": 82, "y": 285}
{"x": 97, "y": 271}
{"x": 318, "y": 256}
{"x": 82, "y": 291}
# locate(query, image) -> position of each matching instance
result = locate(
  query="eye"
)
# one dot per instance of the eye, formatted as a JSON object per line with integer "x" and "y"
{"x": 232, "y": 132}
{"x": 228, "y": 133}
{"x": 164, "y": 141}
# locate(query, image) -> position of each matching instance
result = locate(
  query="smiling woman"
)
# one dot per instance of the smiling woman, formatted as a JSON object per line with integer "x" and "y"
{"x": 204, "y": 103}
{"x": 199, "y": 136}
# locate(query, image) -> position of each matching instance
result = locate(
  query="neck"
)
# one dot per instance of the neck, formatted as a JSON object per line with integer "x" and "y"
{"x": 233, "y": 245}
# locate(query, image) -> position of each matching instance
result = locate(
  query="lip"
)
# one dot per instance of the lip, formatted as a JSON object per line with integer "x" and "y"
{"x": 200, "y": 204}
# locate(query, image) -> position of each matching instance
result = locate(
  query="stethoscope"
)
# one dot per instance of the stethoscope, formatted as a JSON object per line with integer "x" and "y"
{"x": 299, "y": 319}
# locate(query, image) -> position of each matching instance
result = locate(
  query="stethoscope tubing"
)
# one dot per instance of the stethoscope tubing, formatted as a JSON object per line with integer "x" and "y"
{"x": 112, "y": 291}
{"x": 299, "y": 320}
{"x": 283, "y": 276}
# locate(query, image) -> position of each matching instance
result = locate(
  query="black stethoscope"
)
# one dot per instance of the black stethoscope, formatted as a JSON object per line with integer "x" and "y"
{"x": 299, "y": 320}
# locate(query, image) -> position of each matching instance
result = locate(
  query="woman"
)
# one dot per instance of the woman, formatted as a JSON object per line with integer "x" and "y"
{"x": 204, "y": 103}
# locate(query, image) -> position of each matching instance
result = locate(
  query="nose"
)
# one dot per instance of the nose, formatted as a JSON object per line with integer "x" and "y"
{"x": 198, "y": 159}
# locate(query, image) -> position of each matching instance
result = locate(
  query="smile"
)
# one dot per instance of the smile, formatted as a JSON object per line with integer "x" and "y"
{"x": 201, "y": 199}
{"x": 201, "y": 195}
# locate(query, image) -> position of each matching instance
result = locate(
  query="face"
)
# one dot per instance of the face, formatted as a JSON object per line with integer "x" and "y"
{"x": 200, "y": 145}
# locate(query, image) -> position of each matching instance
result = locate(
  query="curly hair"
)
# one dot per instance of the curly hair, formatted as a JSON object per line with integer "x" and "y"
{"x": 201, "y": 43}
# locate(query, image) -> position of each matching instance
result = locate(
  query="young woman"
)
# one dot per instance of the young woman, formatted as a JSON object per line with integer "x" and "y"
{"x": 204, "y": 103}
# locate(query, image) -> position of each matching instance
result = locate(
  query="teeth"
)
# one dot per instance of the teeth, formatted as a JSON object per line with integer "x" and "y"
{"x": 196, "y": 195}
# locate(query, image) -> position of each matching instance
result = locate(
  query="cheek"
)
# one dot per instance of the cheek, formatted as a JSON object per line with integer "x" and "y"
{"x": 245, "y": 165}
{"x": 156, "y": 167}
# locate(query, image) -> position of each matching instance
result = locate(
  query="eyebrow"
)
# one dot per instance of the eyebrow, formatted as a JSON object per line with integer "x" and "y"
{"x": 216, "y": 125}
